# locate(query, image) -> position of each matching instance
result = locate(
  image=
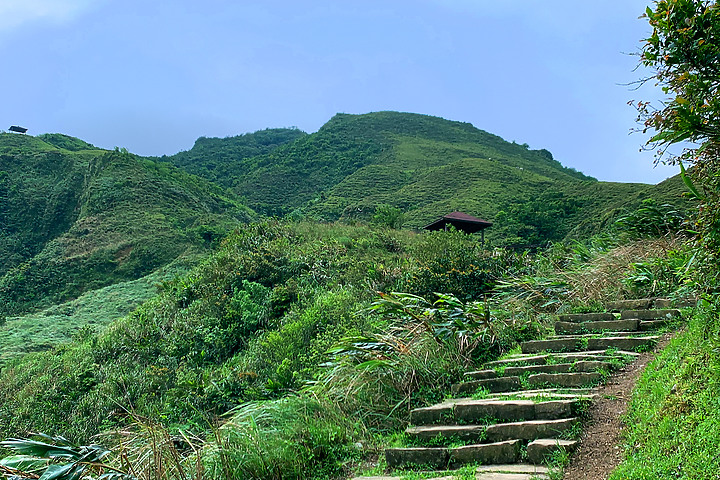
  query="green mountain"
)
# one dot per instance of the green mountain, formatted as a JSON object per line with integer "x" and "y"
{"x": 425, "y": 167}
{"x": 222, "y": 160}
{"x": 74, "y": 218}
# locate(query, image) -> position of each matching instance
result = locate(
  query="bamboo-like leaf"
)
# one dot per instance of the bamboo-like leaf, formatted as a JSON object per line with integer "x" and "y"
{"x": 689, "y": 184}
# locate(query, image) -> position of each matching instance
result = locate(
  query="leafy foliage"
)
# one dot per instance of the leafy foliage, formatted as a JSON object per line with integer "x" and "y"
{"x": 55, "y": 458}
{"x": 683, "y": 51}
{"x": 76, "y": 221}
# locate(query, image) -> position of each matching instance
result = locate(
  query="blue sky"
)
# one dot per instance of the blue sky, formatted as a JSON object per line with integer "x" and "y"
{"x": 154, "y": 76}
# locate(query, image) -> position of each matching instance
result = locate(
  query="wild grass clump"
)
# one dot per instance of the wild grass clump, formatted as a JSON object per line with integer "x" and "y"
{"x": 673, "y": 416}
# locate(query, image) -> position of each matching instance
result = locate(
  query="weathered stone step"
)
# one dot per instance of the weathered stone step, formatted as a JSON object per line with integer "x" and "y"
{"x": 651, "y": 314}
{"x": 579, "y": 366}
{"x": 532, "y": 359}
{"x": 492, "y": 385}
{"x": 504, "y": 452}
{"x": 539, "y": 451}
{"x": 623, "y": 343}
{"x": 466, "y": 411}
{"x": 628, "y": 325}
{"x": 596, "y": 335}
{"x": 664, "y": 303}
{"x": 546, "y": 394}
{"x": 637, "y": 304}
{"x": 499, "y": 432}
{"x": 565, "y": 379}
{"x": 530, "y": 430}
{"x": 553, "y": 345}
{"x": 514, "y": 468}
{"x": 587, "y": 317}
{"x": 467, "y": 433}
{"x": 650, "y": 325}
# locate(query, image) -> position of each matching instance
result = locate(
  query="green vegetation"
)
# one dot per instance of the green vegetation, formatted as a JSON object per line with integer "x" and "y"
{"x": 225, "y": 160}
{"x": 417, "y": 167}
{"x": 673, "y": 419}
{"x": 137, "y": 303}
{"x": 71, "y": 222}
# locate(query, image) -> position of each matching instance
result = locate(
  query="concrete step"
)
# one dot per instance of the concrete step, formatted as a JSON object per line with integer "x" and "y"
{"x": 481, "y": 374}
{"x": 546, "y": 394}
{"x": 504, "y": 452}
{"x": 499, "y": 432}
{"x": 510, "y": 476}
{"x": 540, "y": 450}
{"x": 581, "y": 379}
{"x": 553, "y": 345}
{"x": 595, "y": 335}
{"x": 628, "y": 325}
{"x": 587, "y": 317}
{"x": 514, "y": 468}
{"x": 623, "y": 343}
{"x": 579, "y": 366}
{"x": 466, "y": 433}
{"x": 492, "y": 385}
{"x": 532, "y": 359}
{"x": 429, "y": 457}
{"x": 650, "y": 325}
{"x": 667, "y": 314}
{"x": 467, "y": 411}
{"x": 530, "y": 430}
{"x": 496, "y": 453}
{"x": 664, "y": 303}
{"x": 638, "y": 304}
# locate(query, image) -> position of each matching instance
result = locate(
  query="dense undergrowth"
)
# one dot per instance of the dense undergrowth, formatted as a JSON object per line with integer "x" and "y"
{"x": 285, "y": 321}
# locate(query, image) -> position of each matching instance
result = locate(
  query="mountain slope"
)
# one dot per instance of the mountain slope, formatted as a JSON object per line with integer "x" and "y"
{"x": 427, "y": 166}
{"x": 76, "y": 220}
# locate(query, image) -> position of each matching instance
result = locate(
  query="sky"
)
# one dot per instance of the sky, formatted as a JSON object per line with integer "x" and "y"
{"x": 153, "y": 76}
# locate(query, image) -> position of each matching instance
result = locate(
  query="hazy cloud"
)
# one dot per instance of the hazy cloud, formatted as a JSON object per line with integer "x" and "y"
{"x": 15, "y": 13}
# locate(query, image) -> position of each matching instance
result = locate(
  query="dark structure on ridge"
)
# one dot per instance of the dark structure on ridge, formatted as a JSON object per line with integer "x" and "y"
{"x": 18, "y": 129}
{"x": 461, "y": 221}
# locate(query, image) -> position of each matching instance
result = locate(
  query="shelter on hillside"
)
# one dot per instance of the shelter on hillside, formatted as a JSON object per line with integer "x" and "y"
{"x": 18, "y": 129}
{"x": 461, "y": 221}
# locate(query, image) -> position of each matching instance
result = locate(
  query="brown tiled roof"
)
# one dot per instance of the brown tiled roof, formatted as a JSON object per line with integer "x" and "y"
{"x": 461, "y": 221}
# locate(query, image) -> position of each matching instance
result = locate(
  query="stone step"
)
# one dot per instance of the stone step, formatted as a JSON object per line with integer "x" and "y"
{"x": 596, "y": 335}
{"x": 628, "y": 325}
{"x": 492, "y": 385}
{"x": 580, "y": 379}
{"x": 637, "y": 304}
{"x": 540, "y": 450}
{"x": 514, "y": 468}
{"x": 623, "y": 343}
{"x": 553, "y": 345}
{"x": 466, "y": 433}
{"x": 587, "y": 317}
{"x": 663, "y": 303}
{"x": 532, "y": 359}
{"x": 546, "y": 394}
{"x": 510, "y": 476}
{"x": 530, "y": 430}
{"x": 667, "y": 314}
{"x": 499, "y": 432}
{"x": 579, "y": 366}
{"x": 481, "y": 374}
{"x": 465, "y": 411}
{"x": 504, "y": 452}
{"x": 650, "y": 325}
{"x": 429, "y": 457}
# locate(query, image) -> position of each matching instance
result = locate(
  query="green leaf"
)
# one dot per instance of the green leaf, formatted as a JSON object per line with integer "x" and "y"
{"x": 689, "y": 184}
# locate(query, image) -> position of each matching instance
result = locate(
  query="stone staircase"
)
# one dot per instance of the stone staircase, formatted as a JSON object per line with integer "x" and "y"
{"x": 512, "y": 415}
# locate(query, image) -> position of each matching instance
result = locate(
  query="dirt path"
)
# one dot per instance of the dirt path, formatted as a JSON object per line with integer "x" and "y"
{"x": 600, "y": 446}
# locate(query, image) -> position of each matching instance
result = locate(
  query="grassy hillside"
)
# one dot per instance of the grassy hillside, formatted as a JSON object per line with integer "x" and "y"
{"x": 223, "y": 160}
{"x": 425, "y": 167}
{"x": 79, "y": 219}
